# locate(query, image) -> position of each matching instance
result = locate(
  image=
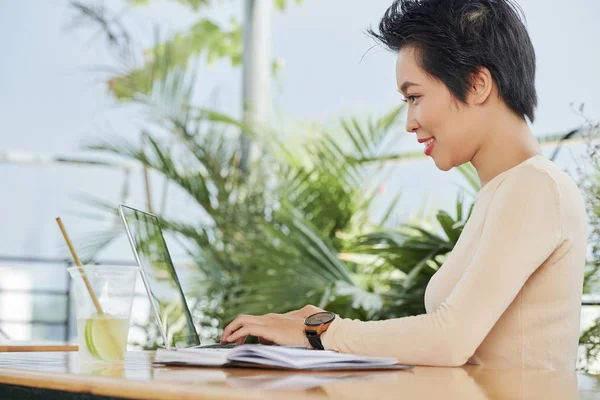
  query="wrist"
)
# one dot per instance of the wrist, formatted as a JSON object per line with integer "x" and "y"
{"x": 305, "y": 341}
{"x": 328, "y": 337}
{"x": 315, "y": 325}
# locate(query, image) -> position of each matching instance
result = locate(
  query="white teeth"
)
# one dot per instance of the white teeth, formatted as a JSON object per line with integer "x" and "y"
{"x": 427, "y": 143}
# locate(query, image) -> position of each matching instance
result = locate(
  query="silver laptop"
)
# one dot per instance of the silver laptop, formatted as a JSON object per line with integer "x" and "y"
{"x": 166, "y": 296}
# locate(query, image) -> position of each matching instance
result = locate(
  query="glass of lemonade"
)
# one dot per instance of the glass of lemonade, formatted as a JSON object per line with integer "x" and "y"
{"x": 103, "y": 326}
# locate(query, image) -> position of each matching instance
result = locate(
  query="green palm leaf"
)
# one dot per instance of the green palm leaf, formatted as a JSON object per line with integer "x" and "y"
{"x": 292, "y": 231}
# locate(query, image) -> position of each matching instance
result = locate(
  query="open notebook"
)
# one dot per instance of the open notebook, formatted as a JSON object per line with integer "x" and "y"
{"x": 261, "y": 356}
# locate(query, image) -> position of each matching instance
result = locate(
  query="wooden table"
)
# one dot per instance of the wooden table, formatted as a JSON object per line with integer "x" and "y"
{"x": 17, "y": 347}
{"x": 58, "y": 375}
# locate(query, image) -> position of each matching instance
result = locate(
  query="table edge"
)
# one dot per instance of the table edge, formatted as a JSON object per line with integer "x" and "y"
{"x": 131, "y": 388}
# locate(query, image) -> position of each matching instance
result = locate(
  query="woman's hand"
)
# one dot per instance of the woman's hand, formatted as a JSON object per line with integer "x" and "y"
{"x": 282, "y": 329}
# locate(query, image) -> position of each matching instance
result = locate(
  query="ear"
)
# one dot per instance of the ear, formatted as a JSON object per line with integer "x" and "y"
{"x": 481, "y": 86}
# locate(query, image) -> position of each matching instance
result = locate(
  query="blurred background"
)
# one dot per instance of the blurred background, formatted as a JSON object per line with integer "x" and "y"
{"x": 268, "y": 136}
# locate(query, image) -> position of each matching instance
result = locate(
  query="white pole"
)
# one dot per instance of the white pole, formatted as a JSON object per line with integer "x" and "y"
{"x": 257, "y": 71}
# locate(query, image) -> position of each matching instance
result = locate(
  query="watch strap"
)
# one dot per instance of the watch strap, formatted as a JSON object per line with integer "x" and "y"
{"x": 314, "y": 339}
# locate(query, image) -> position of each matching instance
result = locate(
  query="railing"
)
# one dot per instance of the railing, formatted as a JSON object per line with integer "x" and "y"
{"x": 66, "y": 322}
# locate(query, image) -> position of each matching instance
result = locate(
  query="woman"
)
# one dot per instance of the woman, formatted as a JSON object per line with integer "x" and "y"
{"x": 509, "y": 294}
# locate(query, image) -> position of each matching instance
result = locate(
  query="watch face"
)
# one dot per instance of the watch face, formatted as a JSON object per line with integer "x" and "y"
{"x": 320, "y": 318}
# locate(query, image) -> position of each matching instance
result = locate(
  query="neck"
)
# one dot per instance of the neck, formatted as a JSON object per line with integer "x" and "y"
{"x": 505, "y": 147}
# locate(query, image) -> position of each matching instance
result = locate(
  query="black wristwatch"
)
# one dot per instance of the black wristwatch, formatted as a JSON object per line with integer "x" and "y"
{"x": 315, "y": 325}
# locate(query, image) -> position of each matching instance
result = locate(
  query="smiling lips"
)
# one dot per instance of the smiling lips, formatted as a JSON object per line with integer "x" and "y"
{"x": 429, "y": 144}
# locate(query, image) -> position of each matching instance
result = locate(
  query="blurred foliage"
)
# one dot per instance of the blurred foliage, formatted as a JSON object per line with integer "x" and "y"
{"x": 590, "y": 187}
{"x": 196, "y": 4}
{"x": 205, "y": 38}
{"x": 296, "y": 229}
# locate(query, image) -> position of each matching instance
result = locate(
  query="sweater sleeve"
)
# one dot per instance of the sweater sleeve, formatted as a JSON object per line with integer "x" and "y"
{"x": 522, "y": 227}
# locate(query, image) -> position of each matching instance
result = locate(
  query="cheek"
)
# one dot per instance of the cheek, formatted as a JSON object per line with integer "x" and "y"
{"x": 452, "y": 123}
{"x": 458, "y": 147}
{"x": 450, "y": 127}
{"x": 436, "y": 117}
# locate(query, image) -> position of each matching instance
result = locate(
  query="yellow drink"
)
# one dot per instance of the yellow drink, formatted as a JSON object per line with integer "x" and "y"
{"x": 102, "y": 338}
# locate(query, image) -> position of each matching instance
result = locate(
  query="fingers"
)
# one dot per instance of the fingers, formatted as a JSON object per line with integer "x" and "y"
{"x": 240, "y": 341}
{"x": 268, "y": 327}
{"x": 262, "y": 340}
{"x": 241, "y": 321}
{"x": 237, "y": 324}
{"x": 247, "y": 330}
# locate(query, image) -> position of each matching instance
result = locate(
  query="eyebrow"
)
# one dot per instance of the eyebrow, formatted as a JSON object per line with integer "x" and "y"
{"x": 406, "y": 85}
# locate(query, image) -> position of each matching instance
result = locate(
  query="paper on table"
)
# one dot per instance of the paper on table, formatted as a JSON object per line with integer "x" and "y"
{"x": 206, "y": 357}
{"x": 303, "y": 358}
{"x": 274, "y": 356}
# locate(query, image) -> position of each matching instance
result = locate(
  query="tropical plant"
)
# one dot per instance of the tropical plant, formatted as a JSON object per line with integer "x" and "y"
{"x": 590, "y": 186}
{"x": 204, "y": 38}
{"x": 296, "y": 229}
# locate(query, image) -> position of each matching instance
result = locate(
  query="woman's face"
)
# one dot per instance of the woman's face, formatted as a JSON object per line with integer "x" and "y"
{"x": 433, "y": 113}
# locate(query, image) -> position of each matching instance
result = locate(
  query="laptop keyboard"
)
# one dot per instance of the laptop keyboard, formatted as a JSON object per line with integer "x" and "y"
{"x": 216, "y": 346}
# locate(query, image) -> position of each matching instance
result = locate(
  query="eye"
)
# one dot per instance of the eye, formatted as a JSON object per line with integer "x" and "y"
{"x": 410, "y": 99}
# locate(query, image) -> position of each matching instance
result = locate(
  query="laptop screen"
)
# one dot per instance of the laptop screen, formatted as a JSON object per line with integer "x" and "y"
{"x": 159, "y": 276}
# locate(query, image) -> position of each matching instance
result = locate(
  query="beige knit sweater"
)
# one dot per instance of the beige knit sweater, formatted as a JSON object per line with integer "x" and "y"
{"x": 508, "y": 295}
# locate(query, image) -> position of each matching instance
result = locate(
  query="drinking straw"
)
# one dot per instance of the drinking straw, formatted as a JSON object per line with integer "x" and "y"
{"x": 78, "y": 263}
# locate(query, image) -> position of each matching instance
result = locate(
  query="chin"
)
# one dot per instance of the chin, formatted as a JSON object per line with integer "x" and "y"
{"x": 443, "y": 165}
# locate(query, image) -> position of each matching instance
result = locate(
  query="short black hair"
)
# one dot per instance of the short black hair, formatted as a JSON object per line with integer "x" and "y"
{"x": 454, "y": 38}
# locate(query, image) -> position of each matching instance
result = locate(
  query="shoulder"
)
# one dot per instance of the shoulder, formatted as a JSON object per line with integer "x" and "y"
{"x": 530, "y": 191}
{"x": 538, "y": 190}
{"x": 528, "y": 199}
{"x": 536, "y": 179}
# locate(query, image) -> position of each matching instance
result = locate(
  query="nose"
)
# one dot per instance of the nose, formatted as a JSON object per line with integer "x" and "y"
{"x": 411, "y": 123}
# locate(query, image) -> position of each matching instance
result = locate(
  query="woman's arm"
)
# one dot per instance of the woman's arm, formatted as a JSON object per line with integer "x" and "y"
{"x": 523, "y": 226}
